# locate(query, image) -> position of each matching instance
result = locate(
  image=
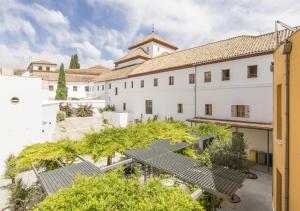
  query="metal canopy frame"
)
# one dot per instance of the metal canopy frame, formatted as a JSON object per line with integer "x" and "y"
{"x": 219, "y": 181}
{"x": 54, "y": 180}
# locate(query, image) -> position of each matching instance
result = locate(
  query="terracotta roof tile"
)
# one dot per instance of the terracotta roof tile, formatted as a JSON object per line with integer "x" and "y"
{"x": 117, "y": 73}
{"x": 231, "y": 48}
{"x": 53, "y": 76}
{"x": 152, "y": 37}
{"x": 134, "y": 54}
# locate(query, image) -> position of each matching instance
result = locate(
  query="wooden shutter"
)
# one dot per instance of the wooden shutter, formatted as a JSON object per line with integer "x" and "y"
{"x": 233, "y": 110}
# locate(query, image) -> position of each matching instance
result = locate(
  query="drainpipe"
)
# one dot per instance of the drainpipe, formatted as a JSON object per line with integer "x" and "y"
{"x": 287, "y": 47}
{"x": 195, "y": 91}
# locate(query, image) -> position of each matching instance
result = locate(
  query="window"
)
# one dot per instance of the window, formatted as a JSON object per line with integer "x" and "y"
{"x": 109, "y": 85}
{"x": 14, "y": 100}
{"x": 207, "y": 77}
{"x": 40, "y": 68}
{"x": 48, "y": 68}
{"x": 86, "y": 88}
{"x": 171, "y": 80}
{"x": 51, "y": 87}
{"x": 192, "y": 78}
{"x": 208, "y": 109}
{"x": 75, "y": 88}
{"x": 240, "y": 111}
{"x": 124, "y": 106}
{"x": 226, "y": 75}
{"x": 125, "y": 85}
{"x": 279, "y": 113}
{"x": 252, "y": 71}
{"x": 131, "y": 84}
{"x": 179, "y": 108}
{"x": 155, "y": 82}
{"x": 148, "y": 106}
{"x": 102, "y": 87}
{"x": 278, "y": 190}
{"x": 116, "y": 91}
{"x": 142, "y": 83}
{"x": 98, "y": 88}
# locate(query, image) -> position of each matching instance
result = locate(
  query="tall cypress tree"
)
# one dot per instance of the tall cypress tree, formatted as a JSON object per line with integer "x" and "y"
{"x": 71, "y": 66}
{"x": 76, "y": 62}
{"x": 61, "y": 91}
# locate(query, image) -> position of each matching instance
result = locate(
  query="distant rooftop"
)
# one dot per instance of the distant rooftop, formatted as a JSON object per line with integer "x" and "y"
{"x": 152, "y": 37}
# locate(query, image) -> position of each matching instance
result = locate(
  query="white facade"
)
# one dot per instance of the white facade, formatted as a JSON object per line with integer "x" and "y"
{"x": 256, "y": 93}
{"x": 22, "y": 115}
{"x": 43, "y": 67}
{"x": 76, "y": 90}
{"x": 154, "y": 49}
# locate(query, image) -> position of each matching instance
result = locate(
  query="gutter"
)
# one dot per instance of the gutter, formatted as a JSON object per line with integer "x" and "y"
{"x": 287, "y": 47}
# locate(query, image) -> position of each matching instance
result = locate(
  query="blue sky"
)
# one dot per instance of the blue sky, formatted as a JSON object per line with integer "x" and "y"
{"x": 101, "y": 30}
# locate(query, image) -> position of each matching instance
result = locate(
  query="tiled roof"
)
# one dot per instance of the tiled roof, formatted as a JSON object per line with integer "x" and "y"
{"x": 42, "y": 62}
{"x": 134, "y": 54}
{"x": 53, "y": 76}
{"x": 152, "y": 37}
{"x": 232, "y": 48}
{"x": 89, "y": 71}
{"x": 117, "y": 73}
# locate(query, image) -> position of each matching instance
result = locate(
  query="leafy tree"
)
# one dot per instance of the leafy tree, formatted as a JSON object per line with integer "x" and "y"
{"x": 61, "y": 91}
{"x": 46, "y": 155}
{"x": 10, "y": 171}
{"x": 76, "y": 62}
{"x": 114, "y": 192}
{"x": 212, "y": 129}
{"x": 71, "y": 66}
{"x": 23, "y": 197}
{"x": 229, "y": 152}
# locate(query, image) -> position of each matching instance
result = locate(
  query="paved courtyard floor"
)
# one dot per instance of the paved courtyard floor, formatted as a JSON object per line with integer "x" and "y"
{"x": 256, "y": 195}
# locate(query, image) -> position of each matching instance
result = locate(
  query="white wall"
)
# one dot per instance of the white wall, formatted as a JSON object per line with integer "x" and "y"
{"x": 44, "y": 67}
{"x": 155, "y": 49}
{"x": 131, "y": 62}
{"x": 239, "y": 90}
{"x": 21, "y": 123}
{"x": 80, "y": 93}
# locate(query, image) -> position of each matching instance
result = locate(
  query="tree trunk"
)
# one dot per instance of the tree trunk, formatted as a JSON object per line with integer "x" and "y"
{"x": 109, "y": 160}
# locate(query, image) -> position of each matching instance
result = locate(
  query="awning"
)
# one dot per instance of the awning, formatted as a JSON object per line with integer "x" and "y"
{"x": 233, "y": 123}
{"x": 219, "y": 181}
{"x": 54, "y": 180}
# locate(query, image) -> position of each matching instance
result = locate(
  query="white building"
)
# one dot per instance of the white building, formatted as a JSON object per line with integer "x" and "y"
{"x": 226, "y": 82}
{"x": 79, "y": 81}
{"x": 25, "y": 118}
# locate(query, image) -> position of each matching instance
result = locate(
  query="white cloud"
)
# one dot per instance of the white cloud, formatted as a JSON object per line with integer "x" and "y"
{"x": 86, "y": 49}
{"x": 16, "y": 25}
{"x": 187, "y": 23}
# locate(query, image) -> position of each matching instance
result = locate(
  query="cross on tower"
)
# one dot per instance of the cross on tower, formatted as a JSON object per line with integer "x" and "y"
{"x": 152, "y": 28}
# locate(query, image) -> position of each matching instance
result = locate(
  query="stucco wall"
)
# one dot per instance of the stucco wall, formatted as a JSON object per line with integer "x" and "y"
{"x": 21, "y": 123}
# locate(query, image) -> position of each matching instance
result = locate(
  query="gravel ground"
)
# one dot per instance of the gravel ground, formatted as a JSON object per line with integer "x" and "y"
{"x": 75, "y": 127}
{"x": 255, "y": 195}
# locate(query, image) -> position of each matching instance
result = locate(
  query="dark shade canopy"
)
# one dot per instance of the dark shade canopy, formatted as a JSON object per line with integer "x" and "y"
{"x": 219, "y": 181}
{"x": 54, "y": 180}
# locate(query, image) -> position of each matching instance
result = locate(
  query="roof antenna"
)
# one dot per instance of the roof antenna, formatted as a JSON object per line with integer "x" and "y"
{"x": 152, "y": 28}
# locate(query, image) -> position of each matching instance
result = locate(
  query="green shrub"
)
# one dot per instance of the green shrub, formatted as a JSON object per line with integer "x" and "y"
{"x": 67, "y": 108}
{"x": 107, "y": 108}
{"x": 114, "y": 192}
{"x": 84, "y": 111}
{"x": 23, "y": 197}
{"x": 10, "y": 171}
{"x": 60, "y": 116}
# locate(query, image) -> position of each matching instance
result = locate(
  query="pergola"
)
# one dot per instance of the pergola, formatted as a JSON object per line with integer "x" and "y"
{"x": 219, "y": 181}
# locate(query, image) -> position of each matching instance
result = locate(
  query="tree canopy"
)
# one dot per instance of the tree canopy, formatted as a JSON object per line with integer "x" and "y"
{"x": 114, "y": 192}
{"x": 61, "y": 90}
{"x": 74, "y": 62}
